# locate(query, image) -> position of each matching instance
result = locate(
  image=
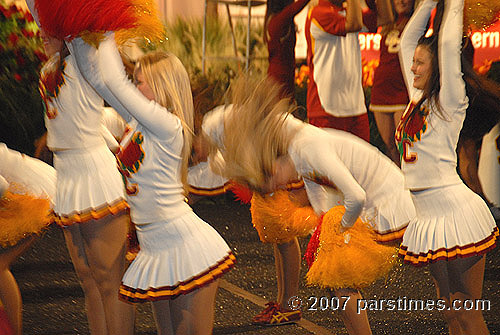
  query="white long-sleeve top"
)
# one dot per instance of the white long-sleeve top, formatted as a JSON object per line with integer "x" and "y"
{"x": 331, "y": 162}
{"x": 73, "y": 117}
{"x": 33, "y": 175}
{"x": 428, "y": 142}
{"x": 150, "y": 157}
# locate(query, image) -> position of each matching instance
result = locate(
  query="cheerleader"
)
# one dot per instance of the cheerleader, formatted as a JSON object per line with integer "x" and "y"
{"x": 181, "y": 256}
{"x": 90, "y": 201}
{"x": 454, "y": 228}
{"x": 27, "y": 189}
{"x": 334, "y": 165}
{"x": 273, "y": 226}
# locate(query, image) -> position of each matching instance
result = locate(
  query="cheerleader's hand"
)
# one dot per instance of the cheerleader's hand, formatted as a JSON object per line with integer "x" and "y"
{"x": 343, "y": 229}
{"x": 347, "y": 238}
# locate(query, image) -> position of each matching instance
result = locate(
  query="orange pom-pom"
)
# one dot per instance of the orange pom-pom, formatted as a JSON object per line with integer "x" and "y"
{"x": 278, "y": 219}
{"x": 350, "y": 260}
{"x": 22, "y": 215}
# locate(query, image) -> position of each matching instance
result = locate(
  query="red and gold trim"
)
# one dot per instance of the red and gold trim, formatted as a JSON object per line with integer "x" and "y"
{"x": 468, "y": 250}
{"x": 210, "y": 191}
{"x": 390, "y": 236}
{"x": 133, "y": 295}
{"x": 92, "y": 213}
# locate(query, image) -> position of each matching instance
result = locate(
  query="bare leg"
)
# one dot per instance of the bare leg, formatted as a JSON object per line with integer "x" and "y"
{"x": 290, "y": 256}
{"x": 278, "y": 263}
{"x": 9, "y": 290}
{"x": 105, "y": 242}
{"x": 97, "y": 249}
{"x": 459, "y": 280}
{"x": 385, "y": 124}
{"x": 161, "y": 312}
{"x": 193, "y": 313}
{"x": 439, "y": 272}
{"x": 466, "y": 283}
{"x": 93, "y": 301}
{"x": 355, "y": 322}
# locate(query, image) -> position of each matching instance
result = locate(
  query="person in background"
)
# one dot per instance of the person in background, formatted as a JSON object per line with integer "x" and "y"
{"x": 389, "y": 96}
{"x": 280, "y": 37}
{"x": 335, "y": 97}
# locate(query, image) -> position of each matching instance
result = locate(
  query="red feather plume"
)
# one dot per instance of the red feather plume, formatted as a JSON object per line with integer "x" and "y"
{"x": 66, "y": 19}
{"x": 241, "y": 193}
{"x": 313, "y": 245}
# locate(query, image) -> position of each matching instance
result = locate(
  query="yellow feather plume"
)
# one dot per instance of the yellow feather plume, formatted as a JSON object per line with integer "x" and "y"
{"x": 22, "y": 215}
{"x": 278, "y": 219}
{"x": 356, "y": 264}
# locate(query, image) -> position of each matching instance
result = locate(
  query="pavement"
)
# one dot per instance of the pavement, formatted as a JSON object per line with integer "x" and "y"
{"x": 54, "y": 303}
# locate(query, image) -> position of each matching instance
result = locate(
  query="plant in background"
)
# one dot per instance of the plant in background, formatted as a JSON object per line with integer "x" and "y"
{"x": 21, "y": 57}
{"x": 185, "y": 41}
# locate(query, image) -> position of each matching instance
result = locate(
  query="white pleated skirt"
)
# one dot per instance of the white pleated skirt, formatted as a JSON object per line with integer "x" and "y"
{"x": 89, "y": 185}
{"x": 202, "y": 181}
{"x": 391, "y": 214}
{"x": 176, "y": 257}
{"x": 452, "y": 221}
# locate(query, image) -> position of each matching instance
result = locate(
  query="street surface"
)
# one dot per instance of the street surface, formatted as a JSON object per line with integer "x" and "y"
{"x": 54, "y": 304}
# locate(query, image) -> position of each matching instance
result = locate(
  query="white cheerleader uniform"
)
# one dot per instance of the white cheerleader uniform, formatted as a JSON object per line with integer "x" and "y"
{"x": 339, "y": 168}
{"x": 27, "y": 190}
{"x": 89, "y": 185}
{"x": 452, "y": 221}
{"x": 179, "y": 252}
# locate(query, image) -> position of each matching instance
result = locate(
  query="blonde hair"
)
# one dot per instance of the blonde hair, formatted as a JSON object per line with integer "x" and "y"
{"x": 169, "y": 81}
{"x": 255, "y": 134}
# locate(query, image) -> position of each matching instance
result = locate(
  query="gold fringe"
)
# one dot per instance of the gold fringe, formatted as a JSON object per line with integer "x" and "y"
{"x": 356, "y": 264}
{"x": 22, "y": 215}
{"x": 278, "y": 219}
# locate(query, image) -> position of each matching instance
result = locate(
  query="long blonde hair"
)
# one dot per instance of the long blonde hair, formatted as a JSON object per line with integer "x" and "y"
{"x": 168, "y": 79}
{"x": 255, "y": 134}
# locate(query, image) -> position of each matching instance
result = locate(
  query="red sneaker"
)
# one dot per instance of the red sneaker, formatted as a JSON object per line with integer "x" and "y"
{"x": 266, "y": 313}
{"x": 279, "y": 316}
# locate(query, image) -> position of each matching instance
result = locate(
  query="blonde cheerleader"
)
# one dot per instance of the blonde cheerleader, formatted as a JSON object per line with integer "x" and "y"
{"x": 336, "y": 167}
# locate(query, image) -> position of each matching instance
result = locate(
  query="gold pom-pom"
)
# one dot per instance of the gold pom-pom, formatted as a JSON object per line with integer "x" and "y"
{"x": 278, "y": 219}
{"x": 22, "y": 215}
{"x": 350, "y": 260}
{"x": 149, "y": 26}
{"x": 480, "y": 14}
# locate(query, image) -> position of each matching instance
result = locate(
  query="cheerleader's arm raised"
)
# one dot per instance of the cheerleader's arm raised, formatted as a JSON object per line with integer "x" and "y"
{"x": 86, "y": 57}
{"x": 150, "y": 114}
{"x": 414, "y": 29}
{"x": 452, "y": 95}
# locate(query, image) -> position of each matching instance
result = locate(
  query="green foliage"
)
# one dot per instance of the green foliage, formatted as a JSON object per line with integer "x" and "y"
{"x": 21, "y": 57}
{"x": 185, "y": 39}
